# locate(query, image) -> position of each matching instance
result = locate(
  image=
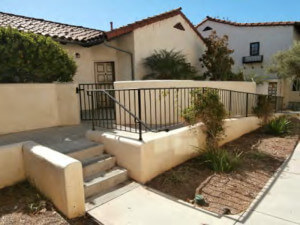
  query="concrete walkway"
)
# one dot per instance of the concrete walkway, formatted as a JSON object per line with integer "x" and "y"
{"x": 278, "y": 204}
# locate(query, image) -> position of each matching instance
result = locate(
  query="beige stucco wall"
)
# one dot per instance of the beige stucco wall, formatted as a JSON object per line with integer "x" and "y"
{"x": 32, "y": 106}
{"x": 57, "y": 176}
{"x": 162, "y": 35}
{"x": 101, "y": 53}
{"x": 161, "y": 151}
{"x": 228, "y": 85}
{"x": 11, "y": 165}
{"x": 290, "y": 96}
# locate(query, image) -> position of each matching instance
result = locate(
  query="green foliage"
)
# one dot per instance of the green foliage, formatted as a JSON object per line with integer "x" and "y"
{"x": 166, "y": 64}
{"x": 221, "y": 160}
{"x": 258, "y": 155}
{"x": 207, "y": 108}
{"x": 287, "y": 63}
{"x": 217, "y": 59}
{"x": 27, "y": 57}
{"x": 258, "y": 79}
{"x": 264, "y": 109}
{"x": 279, "y": 126}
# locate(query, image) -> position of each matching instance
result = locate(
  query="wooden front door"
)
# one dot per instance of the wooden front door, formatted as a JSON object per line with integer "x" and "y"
{"x": 104, "y": 72}
{"x": 272, "y": 88}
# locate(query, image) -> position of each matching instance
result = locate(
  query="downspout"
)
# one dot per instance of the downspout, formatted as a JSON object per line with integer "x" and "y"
{"x": 127, "y": 52}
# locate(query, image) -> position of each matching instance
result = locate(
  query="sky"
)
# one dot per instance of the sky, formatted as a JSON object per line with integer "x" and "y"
{"x": 98, "y": 13}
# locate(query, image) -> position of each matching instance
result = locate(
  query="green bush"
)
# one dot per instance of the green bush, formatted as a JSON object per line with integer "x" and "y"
{"x": 166, "y": 64}
{"x": 221, "y": 160}
{"x": 27, "y": 57}
{"x": 279, "y": 126}
{"x": 264, "y": 109}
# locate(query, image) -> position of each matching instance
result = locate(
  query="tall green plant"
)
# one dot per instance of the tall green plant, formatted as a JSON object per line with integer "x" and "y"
{"x": 166, "y": 64}
{"x": 208, "y": 109}
{"x": 27, "y": 57}
{"x": 264, "y": 109}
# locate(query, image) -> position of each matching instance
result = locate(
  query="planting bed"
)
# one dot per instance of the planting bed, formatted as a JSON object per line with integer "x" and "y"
{"x": 22, "y": 204}
{"x": 231, "y": 193}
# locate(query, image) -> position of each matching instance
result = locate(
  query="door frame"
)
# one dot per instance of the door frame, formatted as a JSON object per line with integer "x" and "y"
{"x": 113, "y": 68}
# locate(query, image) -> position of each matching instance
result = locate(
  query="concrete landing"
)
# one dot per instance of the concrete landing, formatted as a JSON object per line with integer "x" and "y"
{"x": 63, "y": 139}
{"x": 279, "y": 204}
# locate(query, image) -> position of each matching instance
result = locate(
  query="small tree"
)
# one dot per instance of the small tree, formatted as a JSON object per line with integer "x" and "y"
{"x": 286, "y": 64}
{"x": 27, "y": 57}
{"x": 208, "y": 109}
{"x": 217, "y": 59}
{"x": 166, "y": 64}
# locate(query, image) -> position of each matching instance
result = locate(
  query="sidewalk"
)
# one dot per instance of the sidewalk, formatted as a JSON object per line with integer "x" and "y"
{"x": 279, "y": 205}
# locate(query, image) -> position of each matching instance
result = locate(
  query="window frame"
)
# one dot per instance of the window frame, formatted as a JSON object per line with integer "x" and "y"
{"x": 258, "y": 48}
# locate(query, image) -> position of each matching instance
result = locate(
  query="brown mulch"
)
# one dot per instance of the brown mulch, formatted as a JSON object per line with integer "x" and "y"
{"x": 262, "y": 155}
{"x": 22, "y": 204}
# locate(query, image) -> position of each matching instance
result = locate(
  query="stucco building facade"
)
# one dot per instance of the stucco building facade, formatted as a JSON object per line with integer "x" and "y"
{"x": 254, "y": 44}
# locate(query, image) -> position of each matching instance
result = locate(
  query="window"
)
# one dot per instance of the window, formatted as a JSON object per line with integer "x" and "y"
{"x": 254, "y": 48}
{"x": 207, "y": 28}
{"x": 296, "y": 84}
{"x": 179, "y": 26}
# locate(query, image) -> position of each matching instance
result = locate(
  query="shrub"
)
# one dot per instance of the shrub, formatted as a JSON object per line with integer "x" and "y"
{"x": 166, "y": 64}
{"x": 264, "y": 109}
{"x": 27, "y": 57}
{"x": 207, "y": 108}
{"x": 279, "y": 126}
{"x": 221, "y": 160}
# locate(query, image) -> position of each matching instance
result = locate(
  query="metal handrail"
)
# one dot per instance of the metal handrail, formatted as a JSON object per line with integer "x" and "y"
{"x": 137, "y": 120}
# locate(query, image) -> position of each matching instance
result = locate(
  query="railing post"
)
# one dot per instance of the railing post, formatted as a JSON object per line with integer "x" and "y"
{"x": 93, "y": 111}
{"x": 275, "y": 103}
{"x": 247, "y": 105}
{"x": 229, "y": 102}
{"x": 140, "y": 114}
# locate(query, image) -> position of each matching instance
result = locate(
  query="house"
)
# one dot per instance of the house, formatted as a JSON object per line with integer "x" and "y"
{"x": 118, "y": 54}
{"x": 253, "y": 45}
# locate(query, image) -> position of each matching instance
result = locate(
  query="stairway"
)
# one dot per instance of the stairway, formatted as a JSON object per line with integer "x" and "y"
{"x": 100, "y": 172}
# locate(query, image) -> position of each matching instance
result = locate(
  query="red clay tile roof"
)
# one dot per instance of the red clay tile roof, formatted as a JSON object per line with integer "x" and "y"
{"x": 150, "y": 20}
{"x": 287, "y": 23}
{"x": 59, "y": 31}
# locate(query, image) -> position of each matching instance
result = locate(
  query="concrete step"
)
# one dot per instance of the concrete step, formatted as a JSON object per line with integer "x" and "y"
{"x": 94, "y": 149}
{"x": 110, "y": 194}
{"x": 97, "y": 164}
{"x": 104, "y": 181}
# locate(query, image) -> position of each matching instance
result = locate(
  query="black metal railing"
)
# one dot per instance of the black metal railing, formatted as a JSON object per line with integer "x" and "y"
{"x": 157, "y": 109}
{"x": 85, "y": 101}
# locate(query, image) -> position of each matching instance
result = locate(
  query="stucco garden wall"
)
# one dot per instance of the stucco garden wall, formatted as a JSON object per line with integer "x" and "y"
{"x": 55, "y": 175}
{"x": 33, "y": 106}
{"x": 161, "y": 151}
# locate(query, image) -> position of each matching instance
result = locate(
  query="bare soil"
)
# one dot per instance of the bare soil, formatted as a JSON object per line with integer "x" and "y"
{"x": 22, "y": 204}
{"x": 231, "y": 193}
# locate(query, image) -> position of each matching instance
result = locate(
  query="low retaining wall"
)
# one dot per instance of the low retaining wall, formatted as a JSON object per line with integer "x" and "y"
{"x": 33, "y": 106}
{"x": 11, "y": 165}
{"x": 164, "y": 150}
{"x": 55, "y": 175}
